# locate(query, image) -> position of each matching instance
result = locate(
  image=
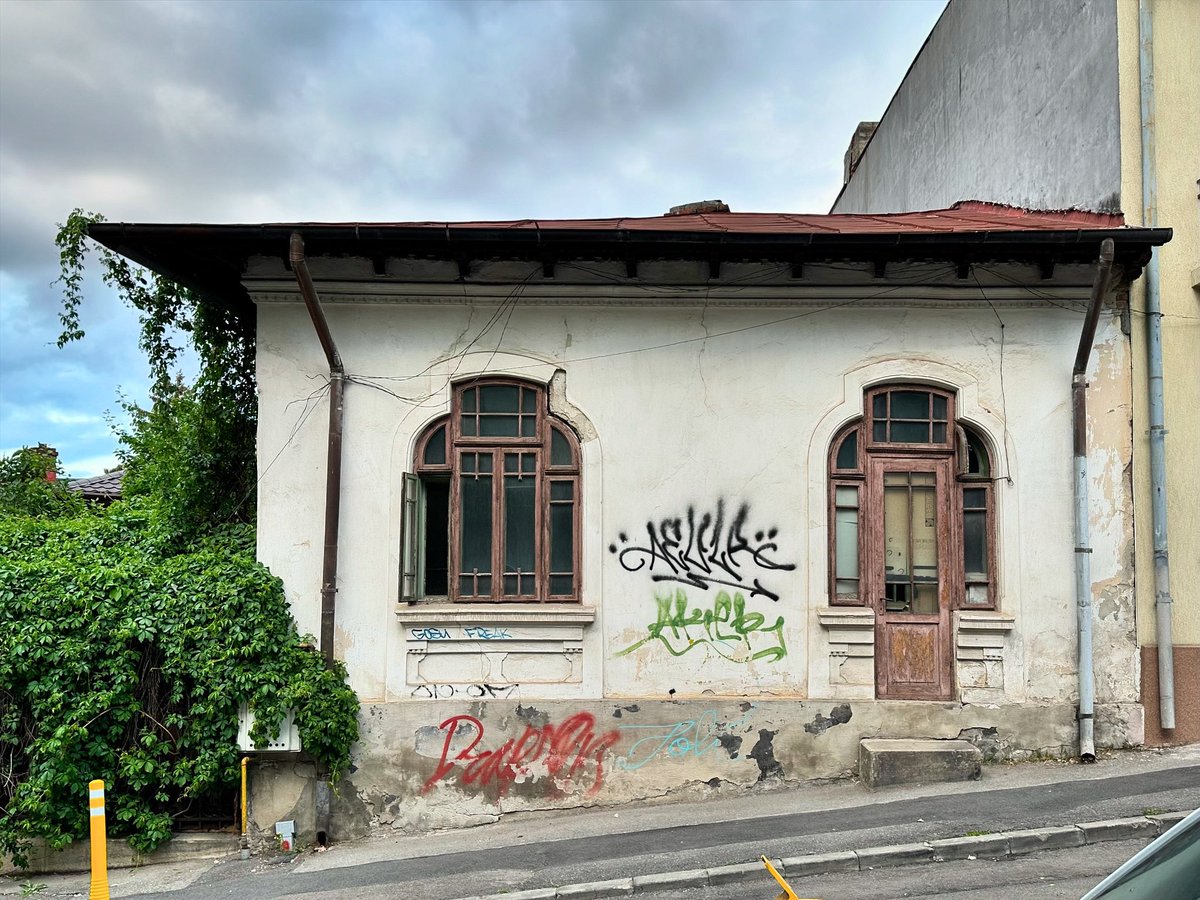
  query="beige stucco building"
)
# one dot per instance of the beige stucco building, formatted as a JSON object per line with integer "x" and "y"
{"x": 1039, "y": 103}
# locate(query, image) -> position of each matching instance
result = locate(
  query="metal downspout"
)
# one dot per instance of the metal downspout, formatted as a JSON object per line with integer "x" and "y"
{"x": 1083, "y": 550}
{"x": 333, "y": 494}
{"x": 1154, "y": 366}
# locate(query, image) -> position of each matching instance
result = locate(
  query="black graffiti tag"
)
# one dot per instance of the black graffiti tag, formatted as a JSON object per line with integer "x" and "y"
{"x": 704, "y": 552}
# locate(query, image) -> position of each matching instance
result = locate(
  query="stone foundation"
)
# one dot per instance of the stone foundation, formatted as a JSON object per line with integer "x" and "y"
{"x": 441, "y": 764}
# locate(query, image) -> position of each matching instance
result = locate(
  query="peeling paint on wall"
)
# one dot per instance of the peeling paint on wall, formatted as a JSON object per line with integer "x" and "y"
{"x": 839, "y": 715}
{"x": 764, "y": 754}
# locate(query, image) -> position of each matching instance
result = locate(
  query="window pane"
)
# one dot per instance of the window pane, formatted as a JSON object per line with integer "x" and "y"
{"x": 975, "y": 542}
{"x": 468, "y": 400}
{"x": 847, "y": 455}
{"x": 528, "y": 463}
{"x": 435, "y": 448}
{"x": 846, "y": 496}
{"x": 497, "y": 426}
{"x": 468, "y": 462}
{"x": 561, "y": 490}
{"x": 977, "y": 457}
{"x": 562, "y": 537}
{"x": 847, "y": 588}
{"x": 528, "y": 426}
{"x": 562, "y": 585}
{"x": 879, "y": 432}
{"x": 437, "y": 537}
{"x": 910, "y": 432}
{"x": 468, "y": 425}
{"x": 528, "y": 400}
{"x": 500, "y": 398}
{"x": 895, "y": 530}
{"x": 560, "y": 449}
{"x": 939, "y": 408}
{"x": 910, "y": 405}
{"x": 520, "y": 495}
{"x": 846, "y": 542}
{"x": 975, "y": 498}
{"x": 879, "y": 406}
{"x": 485, "y": 462}
{"x": 510, "y": 462}
{"x": 939, "y": 432}
{"x": 977, "y": 594}
{"x": 475, "y": 533}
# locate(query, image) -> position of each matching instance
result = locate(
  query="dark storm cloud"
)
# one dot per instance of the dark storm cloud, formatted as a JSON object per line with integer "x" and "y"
{"x": 174, "y": 110}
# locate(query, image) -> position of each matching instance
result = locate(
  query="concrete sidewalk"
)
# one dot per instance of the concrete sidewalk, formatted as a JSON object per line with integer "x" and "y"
{"x": 636, "y": 847}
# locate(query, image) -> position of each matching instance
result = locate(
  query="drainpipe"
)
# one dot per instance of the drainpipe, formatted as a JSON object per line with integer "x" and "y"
{"x": 333, "y": 494}
{"x": 1083, "y": 559}
{"x": 1158, "y": 433}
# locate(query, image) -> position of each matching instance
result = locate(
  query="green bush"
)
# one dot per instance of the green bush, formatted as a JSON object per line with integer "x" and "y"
{"x": 124, "y": 660}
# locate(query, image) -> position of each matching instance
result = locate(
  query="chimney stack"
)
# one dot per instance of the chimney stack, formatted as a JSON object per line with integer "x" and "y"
{"x": 47, "y": 452}
{"x": 858, "y": 143}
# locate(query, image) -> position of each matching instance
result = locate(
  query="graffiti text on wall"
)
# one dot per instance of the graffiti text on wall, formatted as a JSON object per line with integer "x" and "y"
{"x": 705, "y": 550}
{"x": 726, "y": 627}
{"x": 474, "y": 691}
{"x": 466, "y": 633}
{"x": 563, "y": 751}
{"x": 690, "y": 737}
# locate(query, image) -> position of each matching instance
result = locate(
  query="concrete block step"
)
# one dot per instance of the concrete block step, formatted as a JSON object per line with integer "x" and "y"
{"x": 914, "y": 761}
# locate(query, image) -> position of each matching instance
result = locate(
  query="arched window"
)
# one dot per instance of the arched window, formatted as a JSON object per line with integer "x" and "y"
{"x": 492, "y": 513}
{"x": 909, "y": 422}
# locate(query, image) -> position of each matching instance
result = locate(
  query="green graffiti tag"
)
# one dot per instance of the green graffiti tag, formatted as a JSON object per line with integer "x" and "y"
{"x": 726, "y": 628}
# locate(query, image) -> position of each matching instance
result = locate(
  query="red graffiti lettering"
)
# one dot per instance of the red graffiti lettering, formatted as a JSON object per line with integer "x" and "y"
{"x": 565, "y": 749}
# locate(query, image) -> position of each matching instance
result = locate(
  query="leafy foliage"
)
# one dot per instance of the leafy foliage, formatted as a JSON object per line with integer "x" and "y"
{"x": 24, "y": 489}
{"x": 124, "y": 662}
{"x": 193, "y": 450}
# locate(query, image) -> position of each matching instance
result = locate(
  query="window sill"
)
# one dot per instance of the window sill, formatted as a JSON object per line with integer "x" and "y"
{"x": 447, "y": 613}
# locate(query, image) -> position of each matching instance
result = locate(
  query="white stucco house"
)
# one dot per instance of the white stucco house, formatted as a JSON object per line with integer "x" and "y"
{"x": 692, "y": 502}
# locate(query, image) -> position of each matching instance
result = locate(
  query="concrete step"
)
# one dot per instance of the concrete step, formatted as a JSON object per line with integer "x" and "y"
{"x": 912, "y": 761}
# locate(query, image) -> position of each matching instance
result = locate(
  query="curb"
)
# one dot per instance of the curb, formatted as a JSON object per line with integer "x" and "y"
{"x": 1006, "y": 843}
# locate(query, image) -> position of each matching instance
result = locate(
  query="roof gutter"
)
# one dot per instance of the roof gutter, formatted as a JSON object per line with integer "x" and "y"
{"x": 1083, "y": 559}
{"x": 333, "y": 468}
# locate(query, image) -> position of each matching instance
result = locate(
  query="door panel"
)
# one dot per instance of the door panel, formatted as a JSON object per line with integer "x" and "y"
{"x": 908, "y": 574}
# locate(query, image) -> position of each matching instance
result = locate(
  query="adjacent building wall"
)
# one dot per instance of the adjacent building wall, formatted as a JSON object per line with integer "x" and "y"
{"x": 717, "y": 412}
{"x": 1012, "y": 102}
{"x": 1177, "y": 170}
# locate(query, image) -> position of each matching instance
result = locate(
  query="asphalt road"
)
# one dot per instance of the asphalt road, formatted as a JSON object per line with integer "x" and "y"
{"x": 1056, "y": 875}
{"x": 445, "y": 873}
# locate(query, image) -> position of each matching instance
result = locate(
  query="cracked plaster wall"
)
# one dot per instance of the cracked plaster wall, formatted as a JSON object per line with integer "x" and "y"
{"x": 658, "y": 440}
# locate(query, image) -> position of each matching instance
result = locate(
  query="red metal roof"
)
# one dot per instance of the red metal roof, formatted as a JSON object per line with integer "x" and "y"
{"x": 965, "y": 217}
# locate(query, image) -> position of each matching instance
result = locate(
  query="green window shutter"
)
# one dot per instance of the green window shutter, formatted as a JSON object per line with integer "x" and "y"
{"x": 410, "y": 537}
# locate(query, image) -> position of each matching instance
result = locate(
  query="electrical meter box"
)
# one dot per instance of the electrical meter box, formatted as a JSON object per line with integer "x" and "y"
{"x": 287, "y": 741}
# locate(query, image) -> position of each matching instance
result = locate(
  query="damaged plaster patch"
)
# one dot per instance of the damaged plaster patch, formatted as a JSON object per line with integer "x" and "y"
{"x": 764, "y": 754}
{"x": 988, "y": 740}
{"x": 431, "y": 740}
{"x": 730, "y": 743}
{"x": 839, "y": 715}
{"x": 632, "y": 708}
{"x": 532, "y": 716}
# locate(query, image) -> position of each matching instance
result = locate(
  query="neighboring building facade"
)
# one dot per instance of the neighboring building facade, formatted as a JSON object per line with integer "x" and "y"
{"x": 640, "y": 506}
{"x": 1037, "y": 103}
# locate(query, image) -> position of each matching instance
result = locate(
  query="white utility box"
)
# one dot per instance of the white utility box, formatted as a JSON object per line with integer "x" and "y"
{"x": 288, "y": 740}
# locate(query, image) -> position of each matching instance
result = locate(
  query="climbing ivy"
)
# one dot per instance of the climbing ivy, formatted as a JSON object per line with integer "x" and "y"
{"x": 126, "y": 661}
{"x": 193, "y": 450}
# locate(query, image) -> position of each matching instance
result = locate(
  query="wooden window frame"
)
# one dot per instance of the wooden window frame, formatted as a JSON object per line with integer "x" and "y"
{"x": 870, "y": 516}
{"x": 545, "y": 473}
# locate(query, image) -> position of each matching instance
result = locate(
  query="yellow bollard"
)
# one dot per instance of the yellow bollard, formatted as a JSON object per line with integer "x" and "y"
{"x": 245, "y": 819}
{"x": 99, "y": 847}
{"x": 788, "y": 893}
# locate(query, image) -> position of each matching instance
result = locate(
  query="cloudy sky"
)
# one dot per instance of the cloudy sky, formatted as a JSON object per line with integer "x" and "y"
{"x": 286, "y": 110}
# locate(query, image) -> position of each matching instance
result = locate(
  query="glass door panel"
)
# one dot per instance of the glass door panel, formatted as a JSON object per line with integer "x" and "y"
{"x": 910, "y": 572}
